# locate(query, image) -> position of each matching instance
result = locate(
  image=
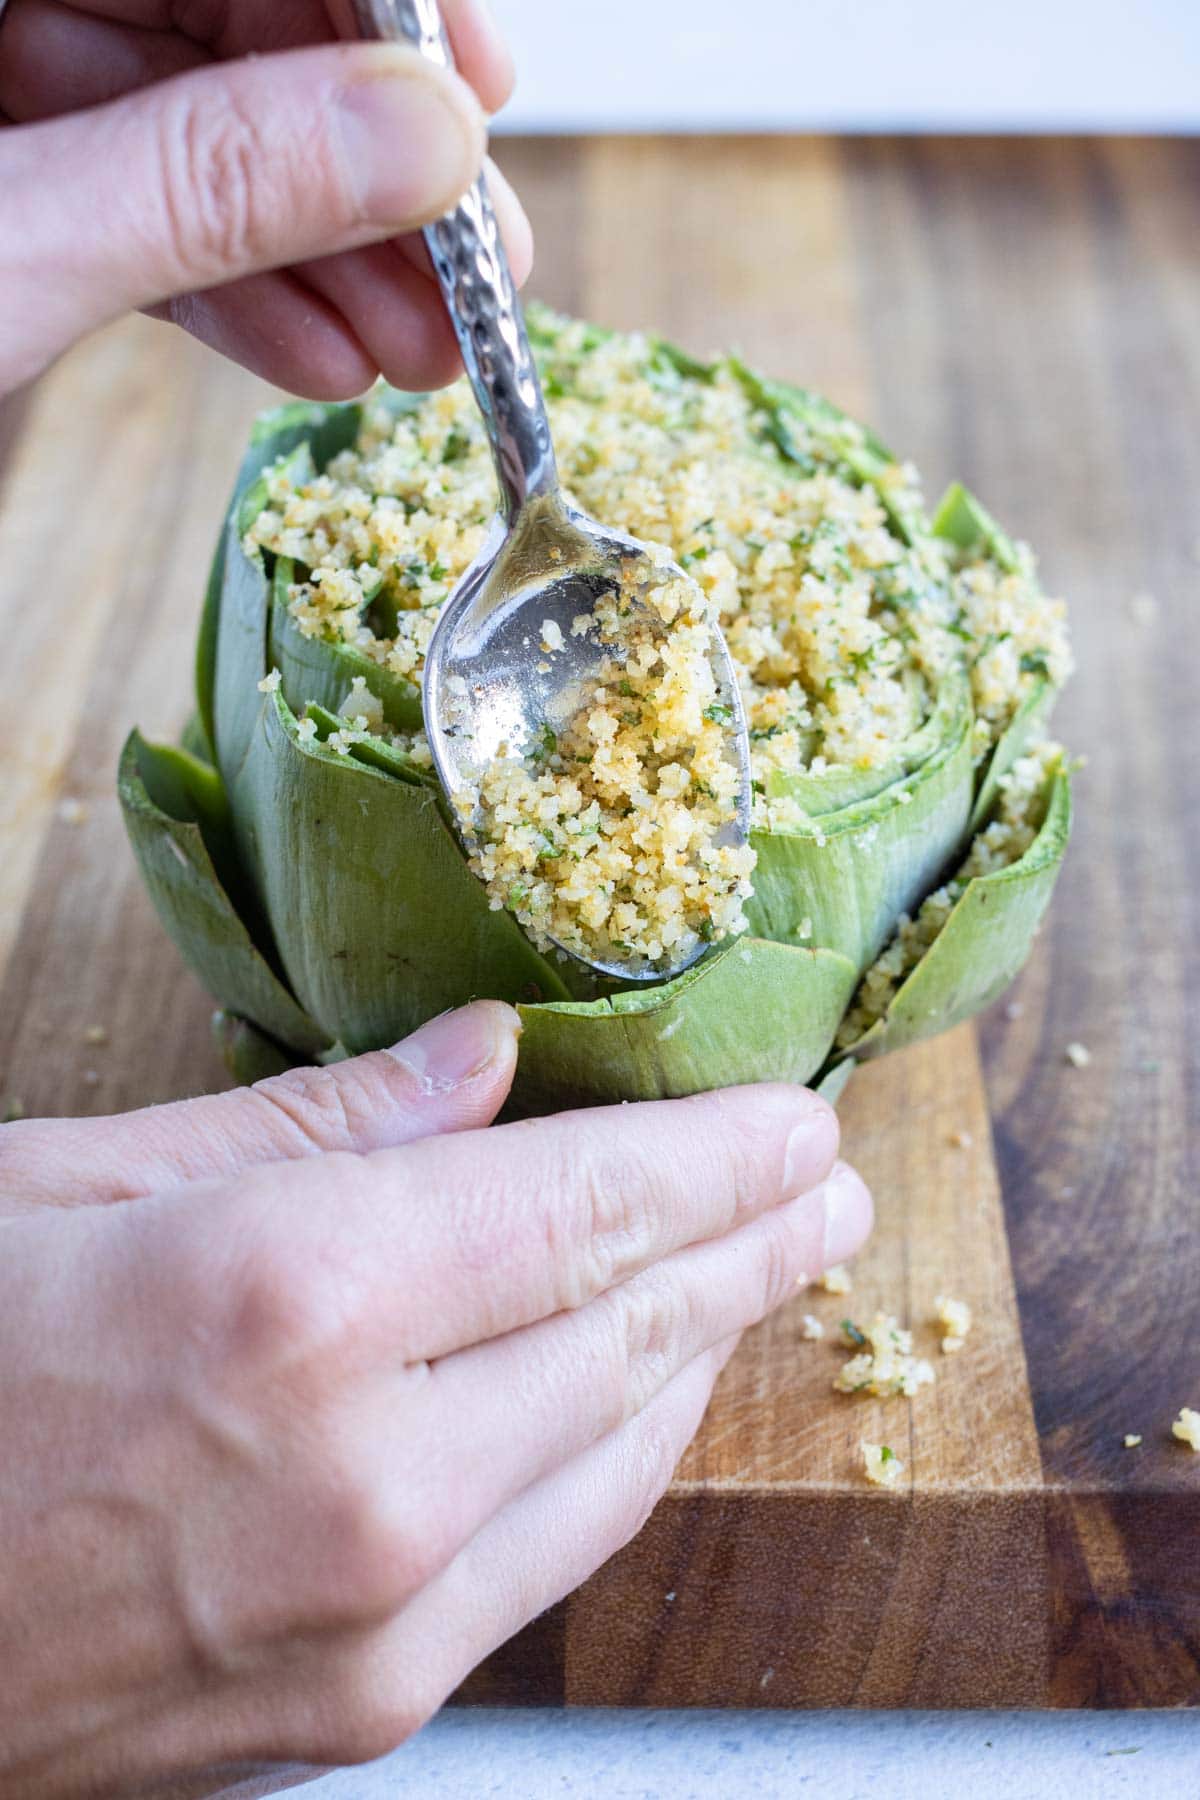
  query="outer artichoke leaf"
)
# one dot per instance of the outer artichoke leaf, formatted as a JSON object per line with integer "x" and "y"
{"x": 377, "y": 753}
{"x": 840, "y": 786}
{"x": 234, "y": 651}
{"x": 813, "y": 409}
{"x": 842, "y": 882}
{"x": 194, "y": 739}
{"x": 319, "y": 669}
{"x": 681, "y": 362}
{"x": 379, "y": 922}
{"x": 865, "y": 458}
{"x": 1024, "y": 728}
{"x": 247, "y": 1052}
{"x": 832, "y": 1085}
{"x": 983, "y": 943}
{"x": 196, "y": 910}
{"x": 961, "y": 520}
{"x": 298, "y": 466}
{"x": 754, "y": 1012}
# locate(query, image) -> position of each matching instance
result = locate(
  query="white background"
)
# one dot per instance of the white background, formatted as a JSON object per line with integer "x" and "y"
{"x": 853, "y": 65}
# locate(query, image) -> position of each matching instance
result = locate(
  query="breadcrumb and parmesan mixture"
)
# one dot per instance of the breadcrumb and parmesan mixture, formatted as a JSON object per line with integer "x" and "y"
{"x": 841, "y": 633}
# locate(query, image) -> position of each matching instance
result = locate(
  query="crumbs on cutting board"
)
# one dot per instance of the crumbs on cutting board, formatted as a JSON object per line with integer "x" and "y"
{"x": 1187, "y": 1427}
{"x": 881, "y": 1464}
{"x": 885, "y": 1361}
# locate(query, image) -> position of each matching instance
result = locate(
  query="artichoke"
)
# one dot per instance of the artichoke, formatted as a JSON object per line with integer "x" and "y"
{"x": 898, "y": 671}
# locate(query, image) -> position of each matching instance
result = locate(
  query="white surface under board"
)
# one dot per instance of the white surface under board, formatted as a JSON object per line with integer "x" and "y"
{"x": 854, "y": 65}
{"x": 541, "y": 1755}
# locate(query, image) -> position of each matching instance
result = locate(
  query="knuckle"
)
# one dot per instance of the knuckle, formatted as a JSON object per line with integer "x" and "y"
{"x": 326, "y": 1109}
{"x": 776, "y": 1270}
{"x": 654, "y": 1320}
{"x": 222, "y": 194}
{"x": 377, "y": 1551}
{"x": 294, "y": 1297}
{"x": 619, "y": 1198}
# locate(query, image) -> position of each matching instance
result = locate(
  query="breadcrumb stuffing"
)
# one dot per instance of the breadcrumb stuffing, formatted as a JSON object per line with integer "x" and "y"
{"x": 886, "y": 1364}
{"x": 836, "y": 1279}
{"x": 1187, "y": 1427}
{"x": 954, "y": 1316}
{"x": 811, "y": 1327}
{"x": 882, "y": 1465}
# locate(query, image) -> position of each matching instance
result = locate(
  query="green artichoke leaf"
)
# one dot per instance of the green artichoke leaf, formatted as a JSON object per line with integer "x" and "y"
{"x": 379, "y": 921}
{"x": 194, "y": 739}
{"x": 321, "y": 669}
{"x": 962, "y": 521}
{"x": 376, "y": 752}
{"x": 839, "y": 786}
{"x": 1024, "y": 729}
{"x": 189, "y": 896}
{"x": 756, "y": 1011}
{"x": 984, "y": 942}
{"x": 832, "y": 1085}
{"x": 248, "y": 1053}
{"x": 233, "y": 634}
{"x": 864, "y": 456}
{"x": 841, "y": 882}
{"x": 680, "y": 362}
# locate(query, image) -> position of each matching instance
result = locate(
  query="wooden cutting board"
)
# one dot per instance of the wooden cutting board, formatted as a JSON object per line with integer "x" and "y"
{"x": 1025, "y": 315}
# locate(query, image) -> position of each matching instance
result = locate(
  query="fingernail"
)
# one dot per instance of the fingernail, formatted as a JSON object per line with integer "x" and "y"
{"x": 453, "y": 1048}
{"x": 848, "y": 1214}
{"x": 811, "y": 1146}
{"x": 413, "y": 142}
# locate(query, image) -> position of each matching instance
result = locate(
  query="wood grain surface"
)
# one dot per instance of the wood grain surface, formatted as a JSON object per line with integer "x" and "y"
{"x": 1025, "y": 315}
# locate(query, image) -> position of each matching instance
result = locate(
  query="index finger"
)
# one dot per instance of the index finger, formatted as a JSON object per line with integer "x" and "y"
{"x": 448, "y": 1242}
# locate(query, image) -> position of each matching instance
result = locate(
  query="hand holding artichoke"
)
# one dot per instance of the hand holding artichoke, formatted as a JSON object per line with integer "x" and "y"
{"x": 897, "y": 671}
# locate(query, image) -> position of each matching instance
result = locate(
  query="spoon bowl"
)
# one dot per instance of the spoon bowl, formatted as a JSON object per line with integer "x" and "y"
{"x": 491, "y": 687}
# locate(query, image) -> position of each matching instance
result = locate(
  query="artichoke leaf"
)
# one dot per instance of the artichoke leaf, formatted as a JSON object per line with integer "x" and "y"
{"x": 756, "y": 1011}
{"x": 841, "y": 882}
{"x": 376, "y": 752}
{"x": 1023, "y": 730}
{"x": 842, "y": 785}
{"x": 192, "y": 902}
{"x": 865, "y": 458}
{"x": 984, "y": 942}
{"x": 962, "y": 521}
{"x": 832, "y": 1085}
{"x": 379, "y": 922}
{"x": 321, "y": 669}
{"x": 233, "y": 649}
{"x": 248, "y": 1053}
{"x": 194, "y": 739}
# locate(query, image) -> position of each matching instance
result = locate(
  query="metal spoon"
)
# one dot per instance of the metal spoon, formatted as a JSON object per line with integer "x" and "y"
{"x": 489, "y": 689}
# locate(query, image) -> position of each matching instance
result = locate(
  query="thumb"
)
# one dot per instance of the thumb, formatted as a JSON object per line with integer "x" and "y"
{"x": 219, "y": 173}
{"x": 452, "y": 1075}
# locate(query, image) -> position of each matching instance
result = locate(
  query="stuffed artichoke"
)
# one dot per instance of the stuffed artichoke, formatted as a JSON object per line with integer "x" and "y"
{"x": 897, "y": 672}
